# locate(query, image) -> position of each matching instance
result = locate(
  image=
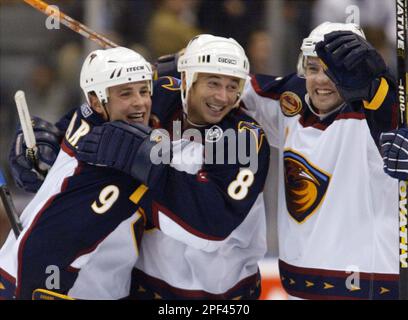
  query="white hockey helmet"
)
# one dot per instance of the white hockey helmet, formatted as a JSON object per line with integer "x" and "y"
{"x": 308, "y": 45}
{"x": 110, "y": 67}
{"x": 211, "y": 54}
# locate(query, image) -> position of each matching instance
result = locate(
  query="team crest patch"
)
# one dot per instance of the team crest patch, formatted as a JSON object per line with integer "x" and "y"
{"x": 290, "y": 103}
{"x": 255, "y": 130}
{"x": 305, "y": 186}
{"x": 173, "y": 84}
{"x": 213, "y": 134}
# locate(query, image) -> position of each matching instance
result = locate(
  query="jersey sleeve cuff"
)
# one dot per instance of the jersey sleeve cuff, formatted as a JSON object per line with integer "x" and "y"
{"x": 379, "y": 97}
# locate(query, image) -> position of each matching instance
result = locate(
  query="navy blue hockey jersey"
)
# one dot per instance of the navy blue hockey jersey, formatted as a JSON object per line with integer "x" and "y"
{"x": 82, "y": 214}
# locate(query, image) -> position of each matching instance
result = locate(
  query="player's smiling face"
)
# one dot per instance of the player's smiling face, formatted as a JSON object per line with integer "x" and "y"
{"x": 130, "y": 102}
{"x": 211, "y": 98}
{"x": 322, "y": 91}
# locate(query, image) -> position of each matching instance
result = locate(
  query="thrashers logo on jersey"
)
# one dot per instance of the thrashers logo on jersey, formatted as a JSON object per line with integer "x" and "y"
{"x": 305, "y": 186}
{"x": 256, "y": 131}
{"x": 173, "y": 84}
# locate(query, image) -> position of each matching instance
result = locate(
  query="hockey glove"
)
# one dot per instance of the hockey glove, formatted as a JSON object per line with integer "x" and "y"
{"x": 124, "y": 147}
{"x": 167, "y": 65}
{"x": 352, "y": 64}
{"x": 394, "y": 149}
{"x": 48, "y": 139}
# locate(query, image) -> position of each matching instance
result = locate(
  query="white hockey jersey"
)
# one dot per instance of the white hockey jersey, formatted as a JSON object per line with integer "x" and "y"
{"x": 337, "y": 209}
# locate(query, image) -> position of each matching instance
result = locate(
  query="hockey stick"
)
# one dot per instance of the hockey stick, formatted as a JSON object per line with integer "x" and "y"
{"x": 9, "y": 206}
{"x": 28, "y": 132}
{"x": 71, "y": 23}
{"x": 402, "y": 78}
{"x": 25, "y": 121}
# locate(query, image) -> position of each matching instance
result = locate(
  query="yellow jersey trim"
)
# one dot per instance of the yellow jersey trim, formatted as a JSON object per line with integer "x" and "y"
{"x": 138, "y": 194}
{"x": 379, "y": 97}
{"x": 50, "y": 295}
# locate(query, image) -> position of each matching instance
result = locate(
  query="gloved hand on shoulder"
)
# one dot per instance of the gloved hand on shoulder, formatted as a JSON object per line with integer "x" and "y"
{"x": 127, "y": 148}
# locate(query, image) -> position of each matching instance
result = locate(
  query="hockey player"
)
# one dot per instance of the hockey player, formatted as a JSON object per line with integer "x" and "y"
{"x": 336, "y": 227}
{"x": 76, "y": 225}
{"x": 337, "y": 212}
{"x": 211, "y": 216}
{"x": 337, "y": 221}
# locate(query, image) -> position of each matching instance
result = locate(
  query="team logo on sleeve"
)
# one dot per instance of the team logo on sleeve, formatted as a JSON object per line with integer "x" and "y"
{"x": 173, "y": 84}
{"x": 290, "y": 103}
{"x": 255, "y": 130}
{"x": 305, "y": 186}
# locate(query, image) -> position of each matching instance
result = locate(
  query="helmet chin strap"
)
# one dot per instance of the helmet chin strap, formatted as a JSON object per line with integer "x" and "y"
{"x": 321, "y": 116}
{"x": 236, "y": 105}
{"x": 185, "y": 115}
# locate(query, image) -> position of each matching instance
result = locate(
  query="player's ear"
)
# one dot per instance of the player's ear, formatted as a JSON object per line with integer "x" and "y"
{"x": 95, "y": 103}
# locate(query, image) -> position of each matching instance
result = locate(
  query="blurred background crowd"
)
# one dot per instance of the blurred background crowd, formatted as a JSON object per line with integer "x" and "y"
{"x": 45, "y": 63}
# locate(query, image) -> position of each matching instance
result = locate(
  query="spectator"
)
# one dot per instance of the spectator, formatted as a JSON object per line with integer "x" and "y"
{"x": 169, "y": 30}
{"x": 232, "y": 18}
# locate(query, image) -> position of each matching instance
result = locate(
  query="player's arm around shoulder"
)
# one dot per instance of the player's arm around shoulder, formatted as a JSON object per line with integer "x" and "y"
{"x": 208, "y": 200}
{"x": 207, "y": 204}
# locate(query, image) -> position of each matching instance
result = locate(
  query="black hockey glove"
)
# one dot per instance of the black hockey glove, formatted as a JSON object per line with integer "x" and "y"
{"x": 48, "y": 139}
{"x": 394, "y": 149}
{"x": 167, "y": 66}
{"x": 353, "y": 64}
{"x": 124, "y": 147}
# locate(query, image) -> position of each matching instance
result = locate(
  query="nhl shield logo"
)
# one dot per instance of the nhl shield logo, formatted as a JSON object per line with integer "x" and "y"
{"x": 213, "y": 134}
{"x": 290, "y": 103}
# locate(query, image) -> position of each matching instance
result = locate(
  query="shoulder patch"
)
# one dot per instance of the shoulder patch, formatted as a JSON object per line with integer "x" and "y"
{"x": 290, "y": 103}
{"x": 255, "y": 130}
{"x": 171, "y": 83}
